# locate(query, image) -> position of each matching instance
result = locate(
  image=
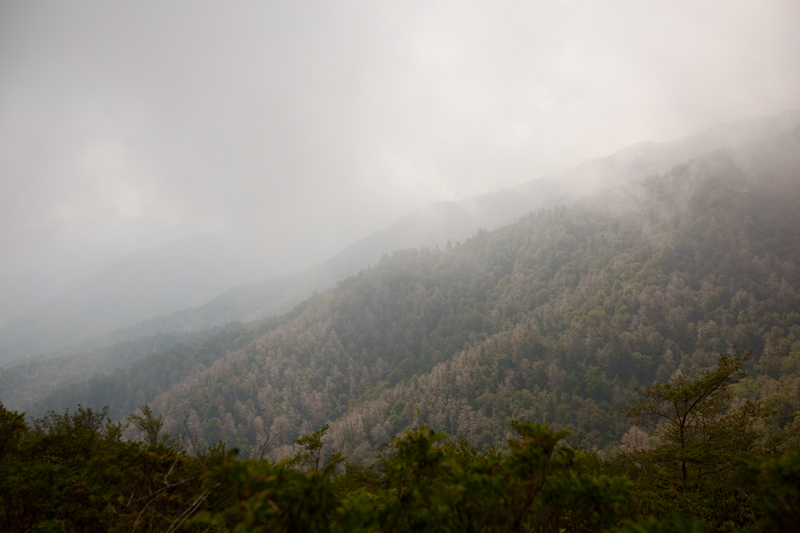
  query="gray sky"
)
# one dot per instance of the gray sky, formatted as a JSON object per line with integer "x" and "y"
{"x": 311, "y": 124}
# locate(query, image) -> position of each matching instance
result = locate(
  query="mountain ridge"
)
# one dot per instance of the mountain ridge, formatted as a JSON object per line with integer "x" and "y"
{"x": 434, "y": 224}
{"x": 556, "y": 318}
{"x": 284, "y": 293}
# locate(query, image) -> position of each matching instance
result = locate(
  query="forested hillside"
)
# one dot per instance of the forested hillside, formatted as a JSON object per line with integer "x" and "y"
{"x": 75, "y": 472}
{"x": 400, "y": 267}
{"x": 30, "y": 379}
{"x": 433, "y": 226}
{"x": 558, "y": 318}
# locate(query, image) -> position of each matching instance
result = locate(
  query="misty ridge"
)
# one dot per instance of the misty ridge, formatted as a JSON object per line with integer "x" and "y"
{"x": 160, "y": 290}
{"x": 151, "y": 280}
{"x": 359, "y": 267}
{"x": 564, "y": 343}
{"x": 764, "y": 152}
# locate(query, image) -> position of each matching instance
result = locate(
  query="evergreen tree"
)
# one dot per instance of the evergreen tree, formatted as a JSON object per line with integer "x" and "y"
{"x": 701, "y": 432}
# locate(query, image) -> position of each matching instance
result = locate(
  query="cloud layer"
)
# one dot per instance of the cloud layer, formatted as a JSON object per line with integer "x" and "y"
{"x": 308, "y": 125}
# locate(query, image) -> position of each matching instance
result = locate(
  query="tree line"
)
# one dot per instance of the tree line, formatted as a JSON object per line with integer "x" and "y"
{"x": 708, "y": 467}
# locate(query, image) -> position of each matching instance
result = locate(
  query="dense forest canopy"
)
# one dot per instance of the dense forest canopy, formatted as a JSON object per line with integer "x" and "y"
{"x": 630, "y": 357}
{"x": 362, "y": 267}
{"x": 84, "y": 316}
{"x": 74, "y": 472}
{"x": 558, "y": 318}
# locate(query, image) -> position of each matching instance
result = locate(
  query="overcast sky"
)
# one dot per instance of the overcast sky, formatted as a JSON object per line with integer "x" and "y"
{"x": 128, "y": 124}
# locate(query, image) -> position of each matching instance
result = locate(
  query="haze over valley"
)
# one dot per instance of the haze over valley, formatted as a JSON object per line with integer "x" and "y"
{"x": 327, "y": 236}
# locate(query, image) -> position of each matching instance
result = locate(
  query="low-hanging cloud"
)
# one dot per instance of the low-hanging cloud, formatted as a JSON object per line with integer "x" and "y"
{"x": 309, "y": 125}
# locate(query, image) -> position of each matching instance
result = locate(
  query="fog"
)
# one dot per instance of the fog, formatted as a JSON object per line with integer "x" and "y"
{"x": 301, "y": 127}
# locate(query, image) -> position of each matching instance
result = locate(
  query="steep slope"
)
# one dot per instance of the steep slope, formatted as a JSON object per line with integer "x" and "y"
{"x": 124, "y": 388}
{"x": 158, "y": 291}
{"x": 434, "y": 225}
{"x": 556, "y": 318}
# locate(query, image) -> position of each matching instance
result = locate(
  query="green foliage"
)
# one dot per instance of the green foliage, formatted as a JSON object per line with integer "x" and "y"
{"x": 687, "y": 467}
{"x": 729, "y": 508}
{"x": 150, "y": 425}
{"x": 652, "y": 525}
{"x": 558, "y": 318}
{"x": 425, "y": 484}
{"x": 149, "y": 367}
{"x": 778, "y": 482}
{"x": 311, "y": 455}
{"x": 12, "y": 426}
{"x": 72, "y": 472}
{"x": 257, "y": 496}
{"x": 701, "y": 434}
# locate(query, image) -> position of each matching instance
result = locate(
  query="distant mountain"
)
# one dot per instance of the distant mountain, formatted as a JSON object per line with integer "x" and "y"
{"x": 434, "y": 225}
{"x": 147, "y": 283}
{"x": 557, "y": 318}
{"x": 27, "y": 380}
